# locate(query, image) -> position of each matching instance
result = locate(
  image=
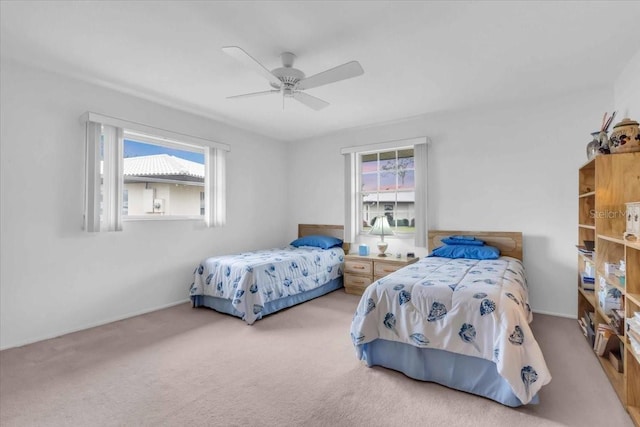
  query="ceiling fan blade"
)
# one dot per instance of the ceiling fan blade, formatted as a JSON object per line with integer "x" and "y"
{"x": 248, "y": 95}
{"x": 341, "y": 72}
{"x": 310, "y": 101}
{"x": 240, "y": 55}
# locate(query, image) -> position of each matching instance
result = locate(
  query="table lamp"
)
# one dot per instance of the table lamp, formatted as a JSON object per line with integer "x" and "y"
{"x": 381, "y": 228}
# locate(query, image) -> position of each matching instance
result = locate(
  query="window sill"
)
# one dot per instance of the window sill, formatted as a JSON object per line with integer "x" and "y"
{"x": 395, "y": 236}
{"x": 162, "y": 218}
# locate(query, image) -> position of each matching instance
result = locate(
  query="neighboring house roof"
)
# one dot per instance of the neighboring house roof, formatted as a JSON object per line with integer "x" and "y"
{"x": 162, "y": 165}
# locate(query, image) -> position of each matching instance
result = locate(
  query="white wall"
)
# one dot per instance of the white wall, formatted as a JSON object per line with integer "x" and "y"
{"x": 627, "y": 90}
{"x": 509, "y": 168}
{"x": 56, "y": 278}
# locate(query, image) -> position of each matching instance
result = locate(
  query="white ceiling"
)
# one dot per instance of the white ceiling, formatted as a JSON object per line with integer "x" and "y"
{"x": 418, "y": 57}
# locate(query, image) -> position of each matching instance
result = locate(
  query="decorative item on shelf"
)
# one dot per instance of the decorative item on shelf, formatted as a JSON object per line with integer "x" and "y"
{"x": 593, "y": 147}
{"x": 633, "y": 221}
{"x": 600, "y": 142}
{"x": 625, "y": 137}
{"x": 381, "y": 228}
{"x": 604, "y": 142}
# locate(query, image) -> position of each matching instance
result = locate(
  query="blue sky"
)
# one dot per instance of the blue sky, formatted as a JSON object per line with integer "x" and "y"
{"x": 137, "y": 149}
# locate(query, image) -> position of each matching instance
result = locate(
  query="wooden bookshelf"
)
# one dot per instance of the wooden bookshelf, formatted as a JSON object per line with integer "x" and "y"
{"x": 606, "y": 183}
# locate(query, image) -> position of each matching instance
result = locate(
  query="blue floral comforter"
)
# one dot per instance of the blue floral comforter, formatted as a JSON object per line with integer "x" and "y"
{"x": 251, "y": 279}
{"x": 471, "y": 307}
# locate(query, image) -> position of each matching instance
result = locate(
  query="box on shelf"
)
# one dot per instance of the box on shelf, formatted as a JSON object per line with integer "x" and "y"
{"x": 589, "y": 270}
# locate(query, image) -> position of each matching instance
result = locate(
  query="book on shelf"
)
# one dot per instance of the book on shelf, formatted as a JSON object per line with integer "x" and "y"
{"x": 583, "y": 327}
{"x": 633, "y": 325}
{"x": 606, "y": 339}
{"x": 587, "y": 278}
{"x": 584, "y": 251}
{"x": 587, "y": 318}
{"x": 635, "y": 346}
{"x": 588, "y": 283}
{"x": 633, "y": 334}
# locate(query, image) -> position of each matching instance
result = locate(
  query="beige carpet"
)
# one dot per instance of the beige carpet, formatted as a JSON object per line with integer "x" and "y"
{"x": 181, "y": 366}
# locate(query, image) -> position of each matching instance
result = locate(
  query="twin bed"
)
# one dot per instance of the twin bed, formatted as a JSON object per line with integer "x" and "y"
{"x": 254, "y": 284}
{"x": 462, "y": 323}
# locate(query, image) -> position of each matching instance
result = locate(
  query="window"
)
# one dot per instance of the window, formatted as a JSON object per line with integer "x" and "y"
{"x": 162, "y": 180}
{"x": 387, "y": 179}
{"x": 387, "y": 187}
{"x": 134, "y": 171}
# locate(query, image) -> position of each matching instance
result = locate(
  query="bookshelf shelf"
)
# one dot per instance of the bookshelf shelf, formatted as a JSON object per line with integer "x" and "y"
{"x": 616, "y": 378}
{"x": 605, "y": 184}
{"x": 634, "y": 298}
{"x": 587, "y": 258}
{"x": 634, "y": 411}
{"x": 604, "y": 317}
{"x": 633, "y": 353}
{"x": 611, "y": 239}
{"x": 612, "y": 280}
{"x": 589, "y": 296}
{"x": 633, "y": 244}
{"x": 587, "y": 226}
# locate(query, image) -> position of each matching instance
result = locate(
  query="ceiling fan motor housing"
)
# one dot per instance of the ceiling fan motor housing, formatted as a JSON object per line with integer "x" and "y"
{"x": 288, "y": 75}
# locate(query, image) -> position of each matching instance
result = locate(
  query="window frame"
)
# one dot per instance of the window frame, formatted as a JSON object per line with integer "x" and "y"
{"x": 165, "y": 143}
{"x": 352, "y": 186}
{"x": 104, "y": 172}
{"x": 359, "y": 190}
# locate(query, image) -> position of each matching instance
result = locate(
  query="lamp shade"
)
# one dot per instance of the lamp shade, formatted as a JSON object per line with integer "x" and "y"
{"x": 381, "y": 227}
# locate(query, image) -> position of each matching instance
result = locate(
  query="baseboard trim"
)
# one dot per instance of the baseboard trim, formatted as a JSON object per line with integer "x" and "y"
{"x": 138, "y": 313}
{"x": 548, "y": 313}
{"x": 93, "y": 325}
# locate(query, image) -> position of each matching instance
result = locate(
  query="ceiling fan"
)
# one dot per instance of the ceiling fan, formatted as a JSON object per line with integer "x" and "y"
{"x": 291, "y": 82}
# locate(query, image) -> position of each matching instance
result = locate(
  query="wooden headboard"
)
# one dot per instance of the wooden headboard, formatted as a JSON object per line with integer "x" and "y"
{"x": 323, "y": 230}
{"x": 509, "y": 242}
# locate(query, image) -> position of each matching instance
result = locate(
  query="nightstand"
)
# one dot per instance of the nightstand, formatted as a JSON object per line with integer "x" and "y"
{"x": 361, "y": 271}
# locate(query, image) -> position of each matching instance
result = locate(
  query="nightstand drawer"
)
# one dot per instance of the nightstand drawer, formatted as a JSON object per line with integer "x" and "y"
{"x": 356, "y": 284}
{"x": 382, "y": 269}
{"x": 358, "y": 267}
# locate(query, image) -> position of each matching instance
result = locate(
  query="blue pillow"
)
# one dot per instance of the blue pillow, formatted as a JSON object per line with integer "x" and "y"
{"x": 462, "y": 237}
{"x": 452, "y": 241}
{"x": 467, "y": 251}
{"x": 324, "y": 242}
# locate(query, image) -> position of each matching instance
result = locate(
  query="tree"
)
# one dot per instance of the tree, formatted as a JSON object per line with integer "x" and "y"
{"x": 401, "y": 170}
